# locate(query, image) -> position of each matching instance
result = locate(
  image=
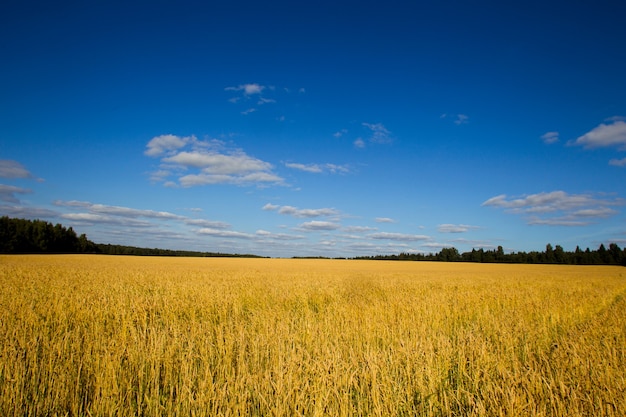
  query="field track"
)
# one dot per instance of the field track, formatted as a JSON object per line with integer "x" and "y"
{"x": 107, "y": 336}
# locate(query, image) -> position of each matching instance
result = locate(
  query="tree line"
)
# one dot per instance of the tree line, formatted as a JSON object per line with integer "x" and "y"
{"x": 614, "y": 255}
{"x": 38, "y": 236}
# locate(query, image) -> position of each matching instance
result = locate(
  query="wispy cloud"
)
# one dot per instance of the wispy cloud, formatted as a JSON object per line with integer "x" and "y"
{"x": 213, "y": 162}
{"x": 248, "y": 89}
{"x": 461, "y": 119}
{"x": 313, "y": 168}
{"x": 95, "y": 218}
{"x": 340, "y": 133}
{"x": 397, "y": 236}
{"x": 7, "y": 193}
{"x": 27, "y": 212}
{"x": 301, "y": 213}
{"x": 247, "y": 93}
{"x": 263, "y": 100}
{"x": 93, "y": 213}
{"x": 558, "y": 208}
{"x": 319, "y": 168}
{"x": 358, "y": 229}
{"x": 458, "y": 119}
{"x": 117, "y": 210}
{"x": 359, "y": 143}
{"x": 277, "y": 236}
{"x": 384, "y": 220}
{"x": 455, "y": 228}
{"x": 618, "y": 162}
{"x": 550, "y": 137}
{"x": 230, "y": 234}
{"x": 436, "y": 245}
{"x": 379, "y": 133}
{"x": 13, "y": 169}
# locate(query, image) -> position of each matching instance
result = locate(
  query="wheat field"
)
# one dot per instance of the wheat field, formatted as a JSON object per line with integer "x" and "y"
{"x": 84, "y": 335}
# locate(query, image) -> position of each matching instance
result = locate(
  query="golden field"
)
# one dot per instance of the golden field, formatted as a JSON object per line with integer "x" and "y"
{"x": 84, "y": 335}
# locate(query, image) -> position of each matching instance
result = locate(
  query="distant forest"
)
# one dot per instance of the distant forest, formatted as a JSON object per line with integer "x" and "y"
{"x": 552, "y": 255}
{"x": 37, "y": 236}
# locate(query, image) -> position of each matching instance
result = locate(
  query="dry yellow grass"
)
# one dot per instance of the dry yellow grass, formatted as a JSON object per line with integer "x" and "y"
{"x": 108, "y": 336}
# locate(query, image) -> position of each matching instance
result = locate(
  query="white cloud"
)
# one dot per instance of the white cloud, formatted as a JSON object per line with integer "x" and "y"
{"x": 27, "y": 212}
{"x": 618, "y": 162}
{"x": 605, "y": 135}
{"x": 258, "y": 178}
{"x": 93, "y": 218}
{"x": 455, "y": 228}
{"x": 359, "y": 143}
{"x": 270, "y": 207}
{"x": 117, "y": 210}
{"x": 277, "y": 236}
{"x": 7, "y": 193}
{"x": 101, "y": 213}
{"x": 301, "y": 213}
{"x": 556, "y": 221}
{"x": 318, "y": 168}
{"x": 160, "y": 175}
{"x": 295, "y": 212}
{"x": 397, "y": 236}
{"x": 211, "y": 224}
{"x": 319, "y": 225}
{"x": 334, "y": 168}
{"x": 223, "y": 233}
{"x": 380, "y": 134}
{"x": 314, "y": 168}
{"x": 166, "y": 143}
{"x": 557, "y": 207}
{"x": 214, "y": 164}
{"x": 358, "y": 229}
{"x": 13, "y": 169}
{"x": 594, "y": 212}
{"x": 248, "y": 89}
{"x": 436, "y": 245}
{"x": 384, "y": 220}
{"x": 248, "y": 111}
{"x": 550, "y": 137}
{"x": 542, "y": 202}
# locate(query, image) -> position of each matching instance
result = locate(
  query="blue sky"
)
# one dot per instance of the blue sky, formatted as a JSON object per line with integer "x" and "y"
{"x": 317, "y": 128}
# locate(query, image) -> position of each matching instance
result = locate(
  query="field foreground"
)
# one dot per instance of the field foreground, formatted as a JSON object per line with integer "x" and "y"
{"x": 107, "y": 336}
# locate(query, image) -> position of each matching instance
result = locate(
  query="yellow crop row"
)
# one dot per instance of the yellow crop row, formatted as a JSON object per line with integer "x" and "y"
{"x": 114, "y": 336}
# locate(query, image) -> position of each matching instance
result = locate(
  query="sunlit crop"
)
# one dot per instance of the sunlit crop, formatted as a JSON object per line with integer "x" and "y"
{"x": 107, "y": 336}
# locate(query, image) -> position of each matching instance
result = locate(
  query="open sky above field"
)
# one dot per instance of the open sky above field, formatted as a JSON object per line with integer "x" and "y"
{"x": 317, "y": 128}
